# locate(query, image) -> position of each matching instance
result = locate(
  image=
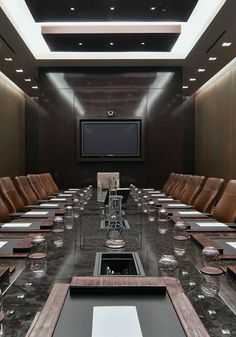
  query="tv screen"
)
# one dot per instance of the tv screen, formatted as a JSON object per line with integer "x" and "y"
{"x": 106, "y": 138}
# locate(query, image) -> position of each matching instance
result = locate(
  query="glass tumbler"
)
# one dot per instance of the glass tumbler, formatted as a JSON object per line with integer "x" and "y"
{"x": 211, "y": 261}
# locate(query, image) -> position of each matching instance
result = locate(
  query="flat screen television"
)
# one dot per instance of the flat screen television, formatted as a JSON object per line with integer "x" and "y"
{"x": 120, "y": 138}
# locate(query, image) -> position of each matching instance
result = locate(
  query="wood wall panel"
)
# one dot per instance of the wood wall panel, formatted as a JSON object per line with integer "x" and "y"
{"x": 215, "y": 128}
{"x": 12, "y": 130}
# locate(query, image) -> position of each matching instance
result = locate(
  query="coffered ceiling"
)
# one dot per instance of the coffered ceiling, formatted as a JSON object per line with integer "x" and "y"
{"x": 185, "y": 33}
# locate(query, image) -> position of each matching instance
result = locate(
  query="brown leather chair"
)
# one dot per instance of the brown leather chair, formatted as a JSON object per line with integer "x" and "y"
{"x": 173, "y": 183}
{"x": 54, "y": 185}
{"x": 4, "y": 212}
{"x": 225, "y": 209}
{"x": 179, "y": 188}
{"x": 10, "y": 195}
{"x": 168, "y": 181}
{"x": 37, "y": 186}
{"x": 46, "y": 184}
{"x": 26, "y": 190}
{"x": 209, "y": 194}
{"x": 192, "y": 189}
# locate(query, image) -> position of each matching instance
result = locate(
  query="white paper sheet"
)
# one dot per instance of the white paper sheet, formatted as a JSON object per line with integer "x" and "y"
{"x": 177, "y": 205}
{"x": 70, "y": 192}
{"x": 16, "y": 225}
{"x": 116, "y": 321}
{"x": 165, "y": 199}
{"x": 190, "y": 212}
{"x": 2, "y": 243}
{"x": 58, "y": 199}
{"x": 155, "y": 192}
{"x": 232, "y": 244}
{"x": 148, "y": 189}
{"x": 155, "y": 195}
{"x": 49, "y": 205}
{"x": 73, "y": 189}
{"x": 36, "y": 213}
{"x": 65, "y": 195}
{"x": 211, "y": 224}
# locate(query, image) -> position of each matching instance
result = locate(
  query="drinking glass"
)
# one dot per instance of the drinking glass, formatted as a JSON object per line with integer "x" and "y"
{"x": 151, "y": 211}
{"x": 211, "y": 261}
{"x": 69, "y": 217}
{"x": 180, "y": 238}
{"x": 168, "y": 266}
{"x": 58, "y": 231}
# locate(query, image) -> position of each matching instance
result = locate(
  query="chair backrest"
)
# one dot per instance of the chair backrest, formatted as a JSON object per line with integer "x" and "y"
{"x": 37, "y": 186}
{"x": 173, "y": 183}
{"x": 26, "y": 190}
{"x": 4, "y": 212}
{"x": 192, "y": 189}
{"x": 10, "y": 195}
{"x": 168, "y": 181}
{"x": 179, "y": 188}
{"x": 52, "y": 181}
{"x": 105, "y": 179}
{"x": 209, "y": 194}
{"x": 225, "y": 209}
{"x": 46, "y": 184}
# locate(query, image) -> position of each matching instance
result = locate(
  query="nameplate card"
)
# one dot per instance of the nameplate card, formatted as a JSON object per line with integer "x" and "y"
{"x": 48, "y": 205}
{"x": 189, "y": 213}
{"x": 116, "y": 321}
{"x": 36, "y": 213}
{"x": 211, "y": 224}
{"x": 232, "y": 244}
{"x": 3, "y": 243}
{"x": 16, "y": 225}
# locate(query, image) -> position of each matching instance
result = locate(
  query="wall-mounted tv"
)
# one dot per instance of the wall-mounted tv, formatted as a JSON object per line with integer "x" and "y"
{"x": 109, "y": 139}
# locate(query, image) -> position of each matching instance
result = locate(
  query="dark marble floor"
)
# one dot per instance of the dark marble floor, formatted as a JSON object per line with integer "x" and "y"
{"x": 26, "y": 296}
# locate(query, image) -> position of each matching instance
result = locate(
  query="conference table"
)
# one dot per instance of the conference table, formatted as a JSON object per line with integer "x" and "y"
{"x": 80, "y": 254}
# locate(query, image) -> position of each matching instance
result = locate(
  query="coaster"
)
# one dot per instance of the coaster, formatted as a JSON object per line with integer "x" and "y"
{"x": 211, "y": 271}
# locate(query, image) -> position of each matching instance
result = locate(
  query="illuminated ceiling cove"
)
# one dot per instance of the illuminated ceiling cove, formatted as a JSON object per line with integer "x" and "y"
{"x": 77, "y": 31}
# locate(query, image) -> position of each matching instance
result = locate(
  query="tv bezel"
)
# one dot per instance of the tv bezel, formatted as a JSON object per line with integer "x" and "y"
{"x": 80, "y": 157}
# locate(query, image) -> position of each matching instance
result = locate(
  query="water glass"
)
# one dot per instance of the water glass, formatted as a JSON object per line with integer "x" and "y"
{"x": 151, "y": 211}
{"x": 180, "y": 238}
{"x": 168, "y": 266}
{"x": 69, "y": 217}
{"x": 211, "y": 261}
{"x": 39, "y": 247}
{"x": 145, "y": 200}
{"x": 58, "y": 232}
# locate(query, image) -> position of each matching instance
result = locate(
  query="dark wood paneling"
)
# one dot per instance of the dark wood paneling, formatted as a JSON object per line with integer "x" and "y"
{"x": 151, "y": 93}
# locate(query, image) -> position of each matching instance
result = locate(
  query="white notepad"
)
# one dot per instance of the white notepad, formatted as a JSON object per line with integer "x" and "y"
{"x": 73, "y": 189}
{"x": 165, "y": 199}
{"x": 148, "y": 189}
{"x": 155, "y": 195}
{"x": 65, "y": 195}
{"x": 36, "y": 213}
{"x": 16, "y": 225}
{"x": 58, "y": 199}
{"x": 232, "y": 244}
{"x": 211, "y": 224}
{"x": 112, "y": 321}
{"x": 189, "y": 213}
{"x": 2, "y": 243}
{"x": 49, "y": 205}
{"x": 177, "y": 205}
{"x": 70, "y": 191}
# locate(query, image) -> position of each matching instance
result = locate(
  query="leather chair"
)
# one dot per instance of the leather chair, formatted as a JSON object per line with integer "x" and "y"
{"x": 26, "y": 190}
{"x": 10, "y": 195}
{"x": 4, "y": 212}
{"x": 192, "y": 189}
{"x": 173, "y": 183}
{"x": 225, "y": 209}
{"x": 46, "y": 184}
{"x": 53, "y": 184}
{"x": 37, "y": 186}
{"x": 179, "y": 188}
{"x": 167, "y": 183}
{"x": 209, "y": 194}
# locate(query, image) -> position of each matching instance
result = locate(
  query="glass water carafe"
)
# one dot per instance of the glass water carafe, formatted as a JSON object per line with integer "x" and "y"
{"x": 115, "y": 237}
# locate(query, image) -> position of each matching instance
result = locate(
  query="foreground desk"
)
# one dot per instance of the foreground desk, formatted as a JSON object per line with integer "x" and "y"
{"x": 26, "y": 297}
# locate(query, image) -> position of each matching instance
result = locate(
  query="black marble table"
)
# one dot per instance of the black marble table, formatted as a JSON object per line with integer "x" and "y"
{"x": 25, "y": 297}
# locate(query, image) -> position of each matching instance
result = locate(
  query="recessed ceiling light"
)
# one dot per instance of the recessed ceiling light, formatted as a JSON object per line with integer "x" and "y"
{"x": 111, "y": 43}
{"x": 212, "y": 58}
{"x": 112, "y": 8}
{"x": 8, "y": 59}
{"x": 72, "y": 8}
{"x": 19, "y": 70}
{"x": 143, "y": 43}
{"x": 185, "y": 86}
{"x": 152, "y": 8}
{"x": 226, "y": 44}
{"x": 80, "y": 43}
{"x": 201, "y": 70}
{"x": 192, "y": 79}
{"x": 27, "y": 80}
{"x": 34, "y": 87}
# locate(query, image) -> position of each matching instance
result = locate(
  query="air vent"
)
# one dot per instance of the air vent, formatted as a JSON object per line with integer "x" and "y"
{"x": 215, "y": 42}
{"x": 6, "y": 43}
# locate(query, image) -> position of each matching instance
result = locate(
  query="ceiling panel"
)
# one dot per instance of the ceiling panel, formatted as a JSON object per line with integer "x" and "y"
{"x": 111, "y": 10}
{"x": 110, "y": 43}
